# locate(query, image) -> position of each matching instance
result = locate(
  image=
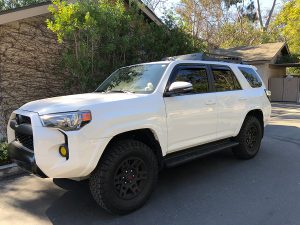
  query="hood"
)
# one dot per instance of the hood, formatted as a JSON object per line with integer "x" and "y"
{"x": 73, "y": 102}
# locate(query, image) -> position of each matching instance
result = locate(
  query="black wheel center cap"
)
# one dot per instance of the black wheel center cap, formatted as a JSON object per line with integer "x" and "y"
{"x": 130, "y": 176}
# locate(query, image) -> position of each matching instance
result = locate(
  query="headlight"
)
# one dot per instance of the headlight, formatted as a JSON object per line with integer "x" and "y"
{"x": 67, "y": 121}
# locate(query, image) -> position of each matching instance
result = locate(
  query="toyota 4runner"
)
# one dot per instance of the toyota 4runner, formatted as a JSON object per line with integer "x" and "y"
{"x": 141, "y": 119}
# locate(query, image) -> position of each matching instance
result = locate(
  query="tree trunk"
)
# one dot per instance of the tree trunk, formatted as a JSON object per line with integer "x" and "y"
{"x": 270, "y": 15}
{"x": 259, "y": 15}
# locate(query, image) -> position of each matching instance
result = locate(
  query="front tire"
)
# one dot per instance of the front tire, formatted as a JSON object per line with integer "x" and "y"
{"x": 249, "y": 139}
{"x": 125, "y": 177}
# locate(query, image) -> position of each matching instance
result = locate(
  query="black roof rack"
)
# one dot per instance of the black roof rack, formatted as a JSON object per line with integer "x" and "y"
{"x": 206, "y": 57}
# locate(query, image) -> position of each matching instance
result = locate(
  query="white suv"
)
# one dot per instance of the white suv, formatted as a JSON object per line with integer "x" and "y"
{"x": 141, "y": 119}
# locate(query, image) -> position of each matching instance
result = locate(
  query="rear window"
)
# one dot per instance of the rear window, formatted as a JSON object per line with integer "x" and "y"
{"x": 251, "y": 76}
{"x": 225, "y": 80}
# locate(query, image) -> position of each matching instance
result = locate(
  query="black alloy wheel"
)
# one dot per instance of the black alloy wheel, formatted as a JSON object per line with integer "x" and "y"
{"x": 249, "y": 138}
{"x": 130, "y": 178}
{"x": 125, "y": 176}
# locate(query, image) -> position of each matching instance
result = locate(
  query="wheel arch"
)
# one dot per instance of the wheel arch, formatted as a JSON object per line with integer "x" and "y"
{"x": 258, "y": 113}
{"x": 145, "y": 135}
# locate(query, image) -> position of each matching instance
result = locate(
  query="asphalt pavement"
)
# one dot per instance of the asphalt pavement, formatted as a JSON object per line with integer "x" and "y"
{"x": 216, "y": 190}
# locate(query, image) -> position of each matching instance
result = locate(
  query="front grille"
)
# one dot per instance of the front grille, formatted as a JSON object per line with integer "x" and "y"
{"x": 23, "y": 124}
{"x": 25, "y": 140}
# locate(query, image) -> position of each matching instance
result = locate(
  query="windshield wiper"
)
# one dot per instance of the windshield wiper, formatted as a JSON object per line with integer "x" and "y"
{"x": 117, "y": 91}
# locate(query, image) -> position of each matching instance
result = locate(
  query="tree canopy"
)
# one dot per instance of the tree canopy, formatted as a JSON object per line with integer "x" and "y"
{"x": 101, "y": 36}
{"x": 227, "y": 23}
{"x": 288, "y": 21}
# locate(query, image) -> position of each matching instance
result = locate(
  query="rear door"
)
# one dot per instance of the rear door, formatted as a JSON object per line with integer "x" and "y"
{"x": 231, "y": 101}
{"x": 192, "y": 116}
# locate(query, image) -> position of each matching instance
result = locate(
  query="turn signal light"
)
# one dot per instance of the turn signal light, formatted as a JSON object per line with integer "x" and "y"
{"x": 268, "y": 93}
{"x": 86, "y": 116}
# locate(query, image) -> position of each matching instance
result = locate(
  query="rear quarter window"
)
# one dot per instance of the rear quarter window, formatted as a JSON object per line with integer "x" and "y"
{"x": 251, "y": 76}
{"x": 225, "y": 80}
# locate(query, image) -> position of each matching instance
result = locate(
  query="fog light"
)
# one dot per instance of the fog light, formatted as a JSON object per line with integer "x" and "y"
{"x": 63, "y": 151}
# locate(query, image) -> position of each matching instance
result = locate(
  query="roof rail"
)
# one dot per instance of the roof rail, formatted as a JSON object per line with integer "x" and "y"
{"x": 206, "y": 57}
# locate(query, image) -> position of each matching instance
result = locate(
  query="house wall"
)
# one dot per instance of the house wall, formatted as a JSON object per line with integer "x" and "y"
{"x": 277, "y": 72}
{"x": 29, "y": 65}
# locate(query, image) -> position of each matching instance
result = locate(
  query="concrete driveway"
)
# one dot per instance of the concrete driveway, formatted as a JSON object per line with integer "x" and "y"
{"x": 215, "y": 190}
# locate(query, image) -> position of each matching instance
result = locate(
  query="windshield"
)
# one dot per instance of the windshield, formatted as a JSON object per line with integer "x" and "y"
{"x": 142, "y": 78}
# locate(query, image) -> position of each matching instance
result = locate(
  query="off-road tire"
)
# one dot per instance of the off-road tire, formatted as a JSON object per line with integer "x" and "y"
{"x": 249, "y": 144}
{"x": 104, "y": 181}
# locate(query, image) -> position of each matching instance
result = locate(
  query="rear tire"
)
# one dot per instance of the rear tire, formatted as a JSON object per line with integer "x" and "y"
{"x": 125, "y": 177}
{"x": 249, "y": 139}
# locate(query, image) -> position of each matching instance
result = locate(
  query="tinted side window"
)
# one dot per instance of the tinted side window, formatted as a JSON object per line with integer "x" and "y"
{"x": 196, "y": 76}
{"x": 225, "y": 80}
{"x": 251, "y": 76}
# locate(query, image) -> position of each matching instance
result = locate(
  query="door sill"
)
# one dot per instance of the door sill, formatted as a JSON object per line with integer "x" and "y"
{"x": 184, "y": 156}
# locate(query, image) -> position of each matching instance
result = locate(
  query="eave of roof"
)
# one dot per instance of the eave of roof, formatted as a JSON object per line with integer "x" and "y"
{"x": 263, "y": 52}
{"x": 285, "y": 65}
{"x": 12, "y": 15}
{"x": 150, "y": 13}
{"x": 24, "y": 12}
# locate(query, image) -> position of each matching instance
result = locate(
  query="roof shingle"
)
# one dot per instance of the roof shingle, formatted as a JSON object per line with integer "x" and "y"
{"x": 263, "y": 52}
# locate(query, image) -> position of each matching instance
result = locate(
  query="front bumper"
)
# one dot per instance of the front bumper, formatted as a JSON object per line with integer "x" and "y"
{"x": 84, "y": 152}
{"x": 24, "y": 158}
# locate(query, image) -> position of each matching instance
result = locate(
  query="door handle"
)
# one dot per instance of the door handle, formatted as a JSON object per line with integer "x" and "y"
{"x": 210, "y": 102}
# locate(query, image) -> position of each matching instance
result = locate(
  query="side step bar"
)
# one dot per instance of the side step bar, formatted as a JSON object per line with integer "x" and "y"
{"x": 180, "y": 157}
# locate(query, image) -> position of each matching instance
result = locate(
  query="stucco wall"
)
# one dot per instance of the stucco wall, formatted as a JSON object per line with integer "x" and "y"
{"x": 29, "y": 67}
{"x": 277, "y": 71}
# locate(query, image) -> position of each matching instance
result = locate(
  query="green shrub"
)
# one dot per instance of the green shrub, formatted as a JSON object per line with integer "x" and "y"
{"x": 3, "y": 152}
{"x": 100, "y": 36}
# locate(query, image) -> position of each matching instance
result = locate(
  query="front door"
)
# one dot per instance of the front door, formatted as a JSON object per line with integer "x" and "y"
{"x": 192, "y": 116}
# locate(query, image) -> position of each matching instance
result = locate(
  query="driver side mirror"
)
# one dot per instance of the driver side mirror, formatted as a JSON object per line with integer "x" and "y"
{"x": 178, "y": 87}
